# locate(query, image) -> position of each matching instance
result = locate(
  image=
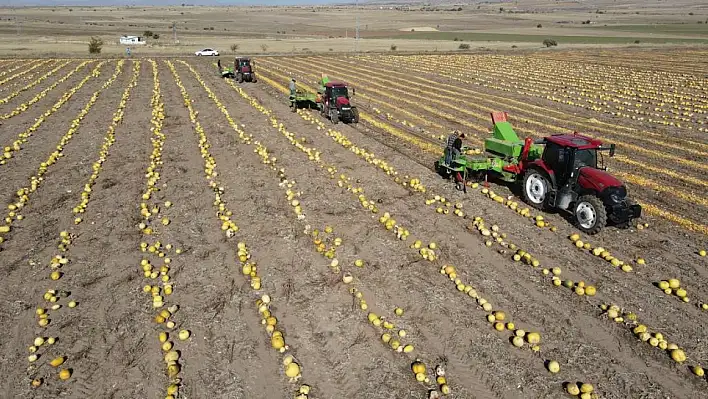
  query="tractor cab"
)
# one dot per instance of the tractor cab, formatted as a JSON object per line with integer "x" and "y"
{"x": 572, "y": 158}
{"x": 336, "y": 103}
{"x": 568, "y": 177}
{"x": 242, "y": 64}
{"x": 243, "y": 68}
{"x": 334, "y": 90}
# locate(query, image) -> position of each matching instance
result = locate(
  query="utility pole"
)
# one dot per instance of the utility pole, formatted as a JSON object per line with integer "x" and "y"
{"x": 174, "y": 31}
{"x": 356, "y": 41}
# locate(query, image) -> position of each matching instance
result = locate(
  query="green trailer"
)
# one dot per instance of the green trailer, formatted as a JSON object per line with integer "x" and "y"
{"x": 303, "y": 99}
{"x": 503, "y": 152}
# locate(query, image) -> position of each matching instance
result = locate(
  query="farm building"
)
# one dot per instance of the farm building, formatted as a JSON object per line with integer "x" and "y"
{"x": 131, "y": 40}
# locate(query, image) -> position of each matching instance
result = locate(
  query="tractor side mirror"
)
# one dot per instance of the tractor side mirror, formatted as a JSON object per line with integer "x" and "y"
{"x": 612, "y": 150}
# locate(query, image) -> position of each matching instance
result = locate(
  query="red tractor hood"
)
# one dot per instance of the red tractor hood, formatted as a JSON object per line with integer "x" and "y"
{"x": 246, "y": 68}
{"x": 597, "y": 179}
{"x": 341, "y": 101}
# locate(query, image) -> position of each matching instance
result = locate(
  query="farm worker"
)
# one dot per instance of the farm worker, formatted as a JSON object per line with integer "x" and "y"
{"x": 127, "y": 51}
{"x": 293, "y": 87}
{"x": 457, "y": 146}
{"x": 218, "y": 62}
{"x": 448, "y": 147}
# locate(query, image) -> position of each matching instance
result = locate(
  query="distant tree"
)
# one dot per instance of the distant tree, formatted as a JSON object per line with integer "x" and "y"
{"x": 234, "y": 47}
{"x": 690, "y": 13}
{"x": 637, "y": 42}
{"x": 539, "y": 26}
{"x": 394, "y": 47}
{"x": 501, "y": 9}
{"x": 264, "y": 47}
{"x": 455, "y": 40}
{"x": 95, "y": 45}
{"x": 514, "y": 46}
{"x": 413, "y": 30}
{"x": 211, "y": 28}
{"x": 550, "y": 43}
{"x": 459, "y": 8}
{"x": 464, "y": 46}
{"x": 156, "y": 36}
{"x": 148, "y": 33}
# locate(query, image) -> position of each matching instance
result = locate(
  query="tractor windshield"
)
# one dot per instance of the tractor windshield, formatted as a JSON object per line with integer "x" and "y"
{"x": 339, "y": 92}
{"x": 586, "y": 158}
{"x": 244, "y": 63}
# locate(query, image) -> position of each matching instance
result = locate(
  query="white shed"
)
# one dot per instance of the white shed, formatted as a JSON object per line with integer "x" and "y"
{"x": 131, "y": 40}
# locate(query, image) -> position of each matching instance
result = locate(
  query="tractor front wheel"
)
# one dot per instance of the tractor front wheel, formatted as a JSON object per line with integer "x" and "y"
{"x": 355, "y": 112}
{"x": 334, "y": 116}
{"x": 590, "y": 214}
{"x": 535, "y": 188}
{"x": 239, "y": 77}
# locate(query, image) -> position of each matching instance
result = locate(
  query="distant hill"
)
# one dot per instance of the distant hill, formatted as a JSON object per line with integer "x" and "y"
{"x": 511, "y": 4}
{"x": 162, "y": 3}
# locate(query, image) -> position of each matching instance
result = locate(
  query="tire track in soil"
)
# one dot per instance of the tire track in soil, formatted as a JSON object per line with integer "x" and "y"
{"x": 321, "y": 294}
{"x": 62, "y": 69}
{"x": 566, "y": 317}
{"x": 24, "y": 257}
{"x": 640, "y": 191}
{"x": 660, "y": 267}
{"x": 314, "y": 291}
{"x": 562, "y": 112}
{"x": 642, "y": 295}
{"x": 669, "y": 202}
{"x": 18, "y": 106}
{"x": 270, "y": 239}
{"x": 24, "y": 71}
{"x": 19, "y": 123}
{"x": 35, "y": 150}
{"x": 109, "y": 335}
{"x": 658, "y": 313}
{"x": 376, "y": 238}
{"x": 227, "y": 349}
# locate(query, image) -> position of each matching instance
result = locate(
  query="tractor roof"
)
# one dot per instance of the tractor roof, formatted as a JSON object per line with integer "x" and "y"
{"x": 335, "y": 83}
{"x": 243, "y": 58}
{"x": 575, "y": 141}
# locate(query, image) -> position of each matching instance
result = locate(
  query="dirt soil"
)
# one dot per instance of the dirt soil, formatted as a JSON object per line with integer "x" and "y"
{"x": 110, "y": 339}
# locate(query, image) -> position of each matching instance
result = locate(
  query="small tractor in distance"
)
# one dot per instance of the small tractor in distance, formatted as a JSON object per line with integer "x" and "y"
{"x": 556, "y": 172}
{"x": 243, "y": 70}
{"x": 334, "y": 103}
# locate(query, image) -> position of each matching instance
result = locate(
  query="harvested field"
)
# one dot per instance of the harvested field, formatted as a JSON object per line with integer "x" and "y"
{"x": 169, "y": 232}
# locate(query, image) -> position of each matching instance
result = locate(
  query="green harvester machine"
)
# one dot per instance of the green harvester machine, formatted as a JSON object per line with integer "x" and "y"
{"x": 503, "y": 152}
{"x": 555, "y": 172}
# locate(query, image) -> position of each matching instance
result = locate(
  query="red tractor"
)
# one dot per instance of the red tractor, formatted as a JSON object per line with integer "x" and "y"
{"x": 555, "y": 172}
{"x": 243, "y": 70}
{"x": 334, "y": 103}
{"x": 567, "y": 177}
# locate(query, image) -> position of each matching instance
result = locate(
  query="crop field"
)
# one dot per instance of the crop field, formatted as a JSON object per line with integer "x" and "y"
{"x": 167, "y": 233}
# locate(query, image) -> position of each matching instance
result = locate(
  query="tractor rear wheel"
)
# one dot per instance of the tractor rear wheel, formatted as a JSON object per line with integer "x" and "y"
{"x": 590, "y": 214}
{"x": 535, "y": 188}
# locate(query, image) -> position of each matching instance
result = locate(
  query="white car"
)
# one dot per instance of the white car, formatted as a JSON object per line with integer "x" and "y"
{"x": 207, "y": 52}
